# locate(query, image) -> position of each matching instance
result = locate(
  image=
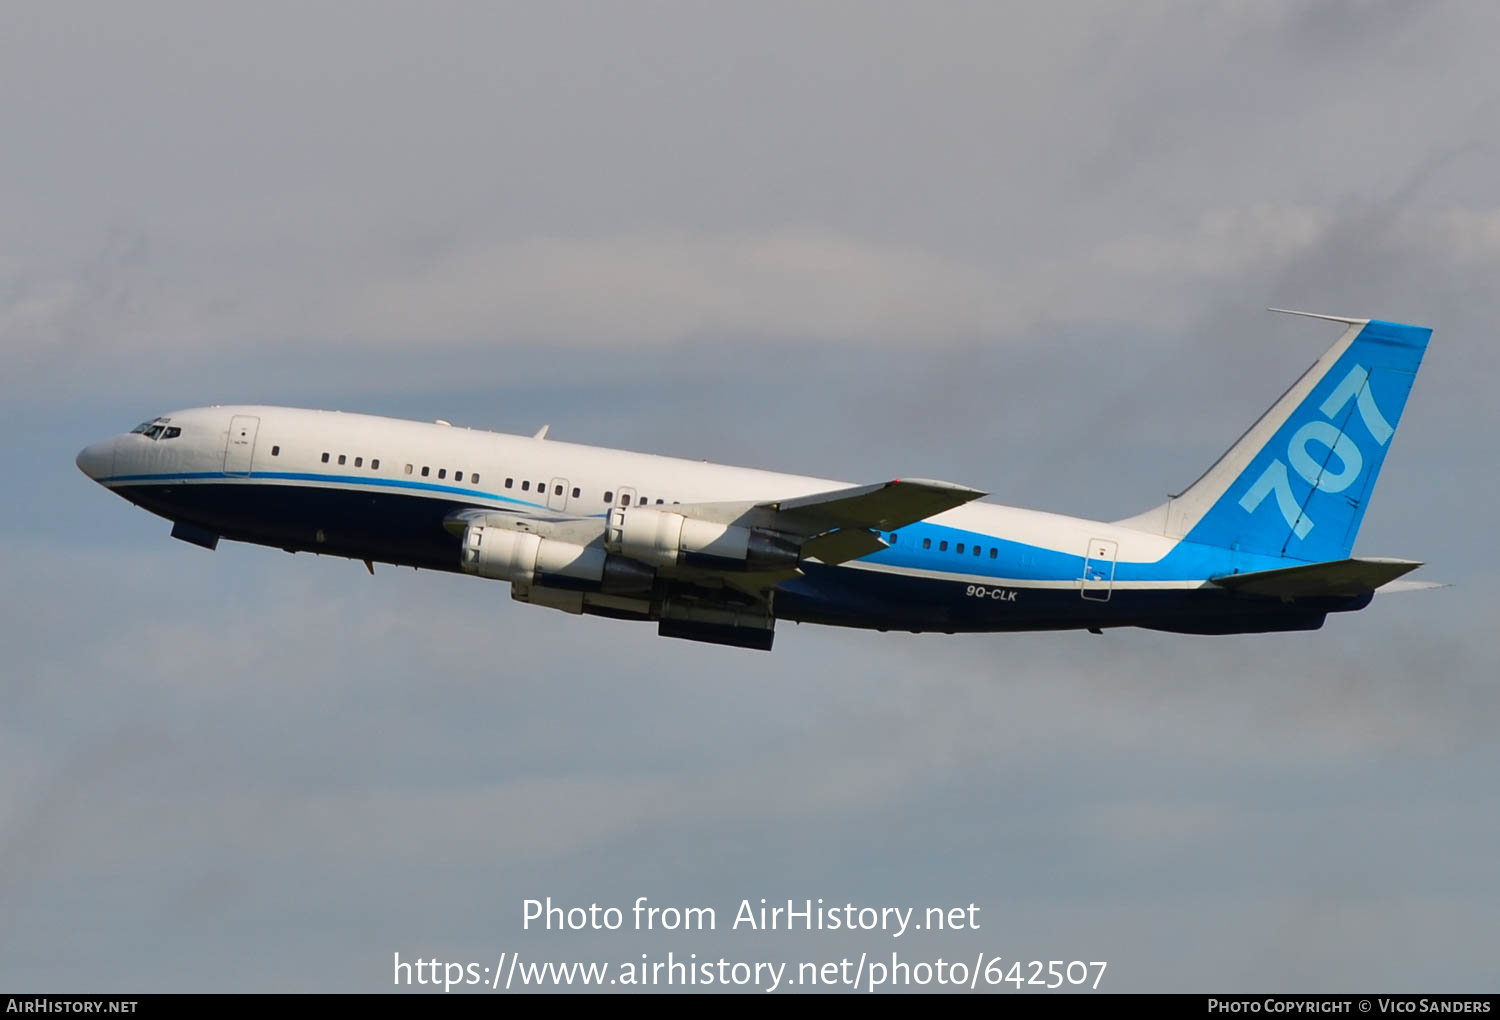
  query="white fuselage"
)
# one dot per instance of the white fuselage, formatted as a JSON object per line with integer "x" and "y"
{"x": 379, "y": 489}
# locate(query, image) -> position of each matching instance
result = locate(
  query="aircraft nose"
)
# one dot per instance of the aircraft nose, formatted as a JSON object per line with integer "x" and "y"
{"x": 97, "y": 459}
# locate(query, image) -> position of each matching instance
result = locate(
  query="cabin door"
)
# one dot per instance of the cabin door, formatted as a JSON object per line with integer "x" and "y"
{"x": 239, "y": 450}
{"x": 1099, "y": 569}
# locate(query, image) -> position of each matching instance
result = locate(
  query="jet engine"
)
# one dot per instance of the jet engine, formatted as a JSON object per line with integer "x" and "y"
{"x": 662, "y": 538}
{"x": 525, "y": 559}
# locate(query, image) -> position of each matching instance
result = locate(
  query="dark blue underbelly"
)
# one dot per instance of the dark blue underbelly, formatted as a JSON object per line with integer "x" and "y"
{"x": 389, "y": 527}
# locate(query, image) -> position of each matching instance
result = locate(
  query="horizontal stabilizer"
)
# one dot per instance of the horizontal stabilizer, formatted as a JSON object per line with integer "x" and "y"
{"x": 1352, "y": 577}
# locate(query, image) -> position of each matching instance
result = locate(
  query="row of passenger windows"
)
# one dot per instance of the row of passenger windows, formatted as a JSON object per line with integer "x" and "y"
{"x": 359, "y": 462}
{"x": 976, "y": 549}
{"x": 541, "y": 487}
{"x": 609, "y": 494}
{"x": 458, "y": 476}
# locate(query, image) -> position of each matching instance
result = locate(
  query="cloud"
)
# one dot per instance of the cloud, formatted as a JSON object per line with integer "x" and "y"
{"x": 656, "y": 291}
{"x": 811, "y": 287}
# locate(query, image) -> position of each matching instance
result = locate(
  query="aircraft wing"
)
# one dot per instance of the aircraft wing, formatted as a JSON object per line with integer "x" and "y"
{"x": 834, "y": 526}
{"x": 1357, "y": 576}
{"x": 884, "y": 506}
{"x": 842, "y": 524}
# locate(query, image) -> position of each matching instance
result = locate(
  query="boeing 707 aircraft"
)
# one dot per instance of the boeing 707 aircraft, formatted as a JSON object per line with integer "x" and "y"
{"x": 1260, "y": 542}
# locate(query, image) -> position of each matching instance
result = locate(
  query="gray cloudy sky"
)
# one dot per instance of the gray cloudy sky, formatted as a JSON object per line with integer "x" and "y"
{"x": 1024, "y": 247}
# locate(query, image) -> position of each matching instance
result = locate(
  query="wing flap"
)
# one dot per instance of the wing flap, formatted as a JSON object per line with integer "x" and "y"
{"x": 1351, "y": 577}
{"x": 835, "y": 547}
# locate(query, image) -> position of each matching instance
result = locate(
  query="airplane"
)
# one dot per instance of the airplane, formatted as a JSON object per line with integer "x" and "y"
{"x": 1261, "y": 542}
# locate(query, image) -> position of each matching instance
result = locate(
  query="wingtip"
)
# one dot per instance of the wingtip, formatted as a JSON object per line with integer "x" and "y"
{"x": 938, "y": 483}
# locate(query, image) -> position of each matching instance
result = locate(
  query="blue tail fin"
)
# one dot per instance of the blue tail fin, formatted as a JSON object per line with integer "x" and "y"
{"x": 1298, "y": 482}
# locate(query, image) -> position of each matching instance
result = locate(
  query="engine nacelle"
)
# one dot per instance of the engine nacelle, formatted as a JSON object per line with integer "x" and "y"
{"x": 551, "y": 598}
{"x": 505, "y": 555}
{"x": 619, "y": 607}
{"x": 666, "y": 539}
{"x": 718, "y": 623}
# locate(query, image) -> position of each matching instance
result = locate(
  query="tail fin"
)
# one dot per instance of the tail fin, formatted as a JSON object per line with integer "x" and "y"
{"x": 1298, "y": 481}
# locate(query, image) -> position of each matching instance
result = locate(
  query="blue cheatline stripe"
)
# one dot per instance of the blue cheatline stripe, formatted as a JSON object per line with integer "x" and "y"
{"x": 1018, "y": 561}
{"x": 296, "y": 476}
{"x": 1021, "y": 561}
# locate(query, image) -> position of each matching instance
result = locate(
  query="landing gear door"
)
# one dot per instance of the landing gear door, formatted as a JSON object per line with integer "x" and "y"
{"x": 239, "y": 450}
{"x": 1099, "y": 569}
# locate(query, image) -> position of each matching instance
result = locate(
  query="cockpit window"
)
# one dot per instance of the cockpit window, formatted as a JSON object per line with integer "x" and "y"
{"x": 155, "y": 428}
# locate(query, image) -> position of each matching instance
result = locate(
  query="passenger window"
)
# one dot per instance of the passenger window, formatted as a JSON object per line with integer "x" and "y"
{"x": 624, "y": 499}
{"x": 609, "y": 496}
{"x": 425, "y": 470}
{"x": 993, "y": 552}
{"x": 509, "y": 482}
{"x": 375, "y": 464}
{"x": 893, "y": 538}
{"x": 474, "y": 478}
{"x": 976, "y": 550}
{"x": 575, "y": 492}
{"x": 926, "y": 543}
{"x": 658, "y": 502}
{"x": 276, "y": 451}
{"x": 325, "y": 458}
{"x": 341, "y": 458}
{"x": 408, "y": 469}
{"x": 359, "y": 462}
{"x": 525, "y": 486}
{"x": 541, "y": 486}
{"x": 557, "y": 490}
{"x": 960, "y": 548}
{"x": 943, "y": 545}
{"x": 442, "y": 472}
{"x": 458, "y": 476}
